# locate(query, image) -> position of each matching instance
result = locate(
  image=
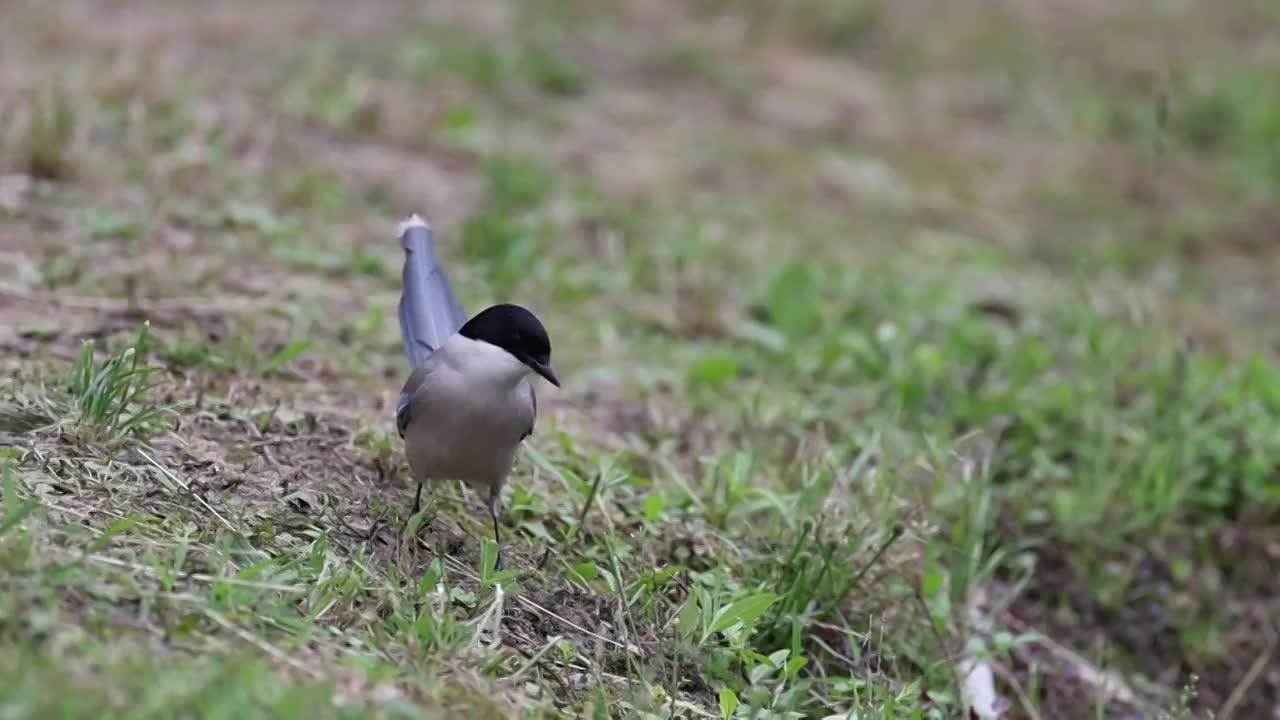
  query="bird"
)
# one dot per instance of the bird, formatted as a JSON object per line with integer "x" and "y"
{"x": 468, "y": 402}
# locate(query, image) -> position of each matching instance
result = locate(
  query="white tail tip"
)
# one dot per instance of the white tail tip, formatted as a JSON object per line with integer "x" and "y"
{"x": 412, "y": 221}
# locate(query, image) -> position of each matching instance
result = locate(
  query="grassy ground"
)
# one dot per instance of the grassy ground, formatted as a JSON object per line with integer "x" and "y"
{"x": 903, "y": 343}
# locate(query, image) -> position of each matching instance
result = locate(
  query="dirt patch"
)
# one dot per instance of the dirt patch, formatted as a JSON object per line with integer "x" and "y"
{"x": 1145, "y": 632}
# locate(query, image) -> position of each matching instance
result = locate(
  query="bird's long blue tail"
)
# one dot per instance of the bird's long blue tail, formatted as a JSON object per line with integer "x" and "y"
{"x": 429, "y": 311}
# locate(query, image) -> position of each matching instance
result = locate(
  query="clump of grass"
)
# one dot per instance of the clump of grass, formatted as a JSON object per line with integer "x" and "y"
{"x": 839, "y": 25}
{"x": 48, "y": 137}
{"x": 112, "y": 396}
{"x": 1234, "y": 113}
{"x": 505, "y": 233}
{"x": 178, "y": 353}
{"x": 553, "y": 73}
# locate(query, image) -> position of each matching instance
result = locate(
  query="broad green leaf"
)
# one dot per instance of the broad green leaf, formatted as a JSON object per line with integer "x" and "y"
{"x": 714, "y": 368}
{"x": 583, "y": 572}
{"x": 537, "y": 529}
{"x": 488, "y": 560}
{"x": 433, "y": 575}
{"x": 504, "y": 578}
{"x": 728, "y": 703}
{"x": 653, "y": 507}
{"x": 462, "y": 597}
{"x": 743, "y": 611}
{"x": 689, "y": 616}
{"x": 290, "y": 351}
{"x": 103, "y": 540}
{"x": 793, "y": 301}
{"x": 415, "y": 523}
{"x": 761, "y": 672}
{"x": 794, "y": 666}
{"x": 931, "y": 583}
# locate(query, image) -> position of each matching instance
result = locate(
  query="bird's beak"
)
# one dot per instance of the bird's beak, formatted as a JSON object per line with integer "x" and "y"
{"x": 546, "y": 371}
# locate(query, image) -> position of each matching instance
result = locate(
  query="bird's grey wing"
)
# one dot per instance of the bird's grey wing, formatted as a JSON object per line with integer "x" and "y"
{"x": 407, "y": 393}
{"x": 429, "y": 311}
{"x": 533, "y": 411}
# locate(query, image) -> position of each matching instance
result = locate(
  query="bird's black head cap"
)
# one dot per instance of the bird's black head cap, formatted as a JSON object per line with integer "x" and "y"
{"x": 519, "y": 332}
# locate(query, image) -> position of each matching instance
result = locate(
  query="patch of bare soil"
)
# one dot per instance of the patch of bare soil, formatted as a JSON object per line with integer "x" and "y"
{"x": 1147, "y": 631}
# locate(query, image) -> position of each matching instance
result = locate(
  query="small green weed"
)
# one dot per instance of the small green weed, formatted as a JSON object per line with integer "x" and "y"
{"x": 47, "y": 144}
{"x": 111, "y": 397}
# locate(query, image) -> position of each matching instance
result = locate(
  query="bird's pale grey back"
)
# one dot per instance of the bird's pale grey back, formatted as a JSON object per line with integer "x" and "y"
{"x": 490, "y": 408}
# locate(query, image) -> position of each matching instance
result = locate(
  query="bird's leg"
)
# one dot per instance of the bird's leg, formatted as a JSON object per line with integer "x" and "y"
{"x": 495, "y": 500}
{"x": 418, "y": 506}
